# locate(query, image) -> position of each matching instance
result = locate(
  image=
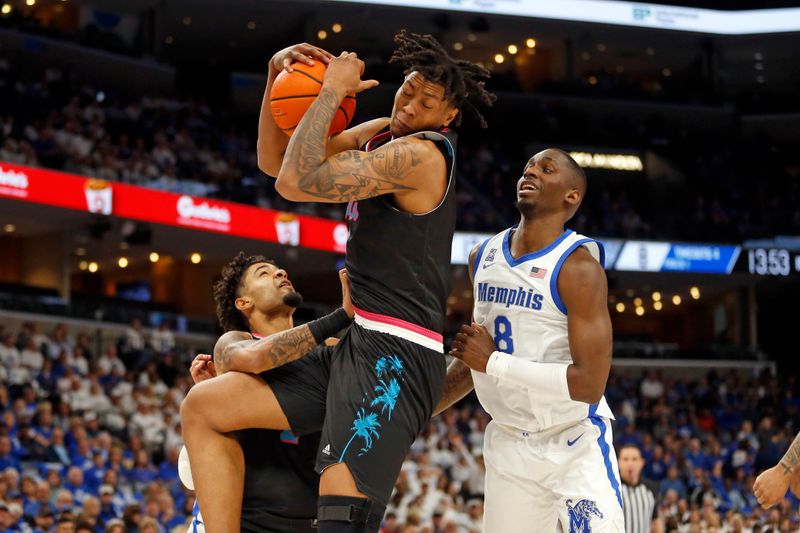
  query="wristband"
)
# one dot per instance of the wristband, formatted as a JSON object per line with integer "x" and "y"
{"x": 547, "y": 379}
{"x": 324, "y": 327}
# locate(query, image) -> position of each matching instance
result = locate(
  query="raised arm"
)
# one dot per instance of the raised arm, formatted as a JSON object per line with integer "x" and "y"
{"x": 272, "y": 141}
{"x": 310, "y": 174}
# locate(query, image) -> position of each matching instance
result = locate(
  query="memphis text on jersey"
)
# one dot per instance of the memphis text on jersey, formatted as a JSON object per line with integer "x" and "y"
{"x": 520, "y": 297}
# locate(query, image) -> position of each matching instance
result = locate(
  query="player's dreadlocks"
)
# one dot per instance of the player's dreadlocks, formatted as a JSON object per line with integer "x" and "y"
{"x": 226, "y": 291}
{"x": 461, "y": 79}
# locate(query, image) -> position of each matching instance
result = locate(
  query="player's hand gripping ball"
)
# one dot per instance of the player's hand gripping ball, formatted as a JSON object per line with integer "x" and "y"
{"x": 293, "y": 93}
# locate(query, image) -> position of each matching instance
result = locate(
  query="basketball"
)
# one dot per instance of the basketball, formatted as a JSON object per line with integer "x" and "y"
{"x": 293, "y": 92}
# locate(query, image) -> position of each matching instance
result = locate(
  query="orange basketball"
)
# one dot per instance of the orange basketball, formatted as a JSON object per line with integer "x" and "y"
{"x": 293, "y": 92}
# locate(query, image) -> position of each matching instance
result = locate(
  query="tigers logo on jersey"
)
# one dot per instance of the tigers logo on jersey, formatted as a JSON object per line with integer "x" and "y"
{"x": 580, "y": 515}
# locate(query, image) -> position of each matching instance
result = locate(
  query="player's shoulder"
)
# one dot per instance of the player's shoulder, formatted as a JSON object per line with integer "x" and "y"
{"x": 581, "y": 265}
{"x": 230, "y": 337}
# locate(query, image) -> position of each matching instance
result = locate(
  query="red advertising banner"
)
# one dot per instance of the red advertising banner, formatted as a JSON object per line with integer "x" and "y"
{"x": 127, "y": 201}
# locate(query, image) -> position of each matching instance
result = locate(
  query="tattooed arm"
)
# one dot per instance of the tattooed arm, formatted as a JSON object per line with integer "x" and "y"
{"x": 770, "y": 487}
{"x": 307, "y": 174}
{"x": 237, "y": 350}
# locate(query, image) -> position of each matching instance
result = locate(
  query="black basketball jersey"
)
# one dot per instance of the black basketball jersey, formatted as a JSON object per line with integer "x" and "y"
{"x": 279, "y": 475}
{"x": 398, "y": 262}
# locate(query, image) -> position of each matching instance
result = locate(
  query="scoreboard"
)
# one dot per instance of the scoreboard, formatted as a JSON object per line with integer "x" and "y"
{"x": 778, "y": 262}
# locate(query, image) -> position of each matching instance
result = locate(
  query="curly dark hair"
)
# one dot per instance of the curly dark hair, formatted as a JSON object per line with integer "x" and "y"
{"x": 462, "y": 80}
{"x": 226, "y": 290}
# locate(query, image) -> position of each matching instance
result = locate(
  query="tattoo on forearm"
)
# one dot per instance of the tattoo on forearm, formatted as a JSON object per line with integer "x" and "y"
{"x": 271, "y": 352}
{"x": 348, "y": 175}
{"x": 792, "y": 456}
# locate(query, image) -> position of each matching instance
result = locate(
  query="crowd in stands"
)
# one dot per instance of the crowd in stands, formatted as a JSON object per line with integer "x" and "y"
{"x": 91, "y": 438}
{"x": 50, "y": 118}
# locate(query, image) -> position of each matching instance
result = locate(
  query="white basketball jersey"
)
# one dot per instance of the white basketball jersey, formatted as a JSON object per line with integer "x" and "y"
{"x": 517, "y": 300}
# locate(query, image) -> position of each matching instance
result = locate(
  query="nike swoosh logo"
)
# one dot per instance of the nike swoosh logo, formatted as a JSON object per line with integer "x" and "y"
{"x": 489, "y": 265}
{"x": 571, "y": 442}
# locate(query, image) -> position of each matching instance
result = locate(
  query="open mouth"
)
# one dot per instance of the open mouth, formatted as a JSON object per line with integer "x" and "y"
{"x": 286, "y": 283}
{"x": 528, "y": 186}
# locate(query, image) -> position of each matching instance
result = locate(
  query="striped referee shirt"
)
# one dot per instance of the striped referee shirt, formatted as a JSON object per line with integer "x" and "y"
{"x": 640, "y": 506}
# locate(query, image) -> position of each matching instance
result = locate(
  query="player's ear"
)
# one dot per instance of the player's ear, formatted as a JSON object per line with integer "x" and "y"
{"x": 573, "y": 197}
{"x": 452, "y": 112}
{"x": 243, "y": 303}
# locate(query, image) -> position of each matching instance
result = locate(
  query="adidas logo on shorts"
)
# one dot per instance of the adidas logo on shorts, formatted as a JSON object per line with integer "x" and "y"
{"x": 327, "y": 449}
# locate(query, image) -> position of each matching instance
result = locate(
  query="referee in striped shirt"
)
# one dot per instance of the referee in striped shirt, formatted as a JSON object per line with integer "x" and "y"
{"x": 639, "y": 496}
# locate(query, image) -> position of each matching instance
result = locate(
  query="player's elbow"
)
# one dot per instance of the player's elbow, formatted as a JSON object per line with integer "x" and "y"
{"x": 287, "y": 188}
{"x": 586, "y": 396}
{"x": 586, "y": 388}
{"x": 268, "y": 161}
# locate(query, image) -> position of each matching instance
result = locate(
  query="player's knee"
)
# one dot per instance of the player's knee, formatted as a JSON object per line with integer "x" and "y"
{"x": 347, "y": 514}
{"x": 192, "y": 412}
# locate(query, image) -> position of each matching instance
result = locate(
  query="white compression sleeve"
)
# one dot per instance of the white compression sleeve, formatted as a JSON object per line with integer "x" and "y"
{"x": 545, "y": 378}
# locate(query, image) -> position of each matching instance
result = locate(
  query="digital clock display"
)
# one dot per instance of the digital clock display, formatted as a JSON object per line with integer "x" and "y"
{"x": 772, "y": 261}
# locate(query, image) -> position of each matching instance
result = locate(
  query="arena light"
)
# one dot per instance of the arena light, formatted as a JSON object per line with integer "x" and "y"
{"x": 6, "y": 9}
{"x": 676, "y": 300}
{"x": 93, "y": 267}
{"x": 322, "y": 35}
{"x": 499, "y": 58}
{"x": 458, "y": 46}
{"x": 694, "y": 292}
{"x": 80, "y": 252}
{"x": 608, "y": 161}
{"x": 123, "y": 262}
{"x": 251, "y": 25}
{"x": 154, "y": 257}
{"x": 30, "y": 2}
{"x": 512, "y": 49}
{"x": 639, "y": 311}
{"x": 637, "y": 302}
{"x": 337, "y": 28}
{"x": 658, "y": 306}
{"x": 530, "y": 43}
{"x": 620, "y": 307}
{"x": 187, "y": 20}
{"x": 9, "y": 228}
{"x": 656, "y": 296}
{"x": 83, "y": 265}
{"x": 196, "y": 258}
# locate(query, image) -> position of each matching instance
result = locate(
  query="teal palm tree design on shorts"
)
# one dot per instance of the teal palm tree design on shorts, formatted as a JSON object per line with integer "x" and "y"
{"x": 364, "y": 426}
{"x": 388, "y": 398}
{"x": 389, "y": 363}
